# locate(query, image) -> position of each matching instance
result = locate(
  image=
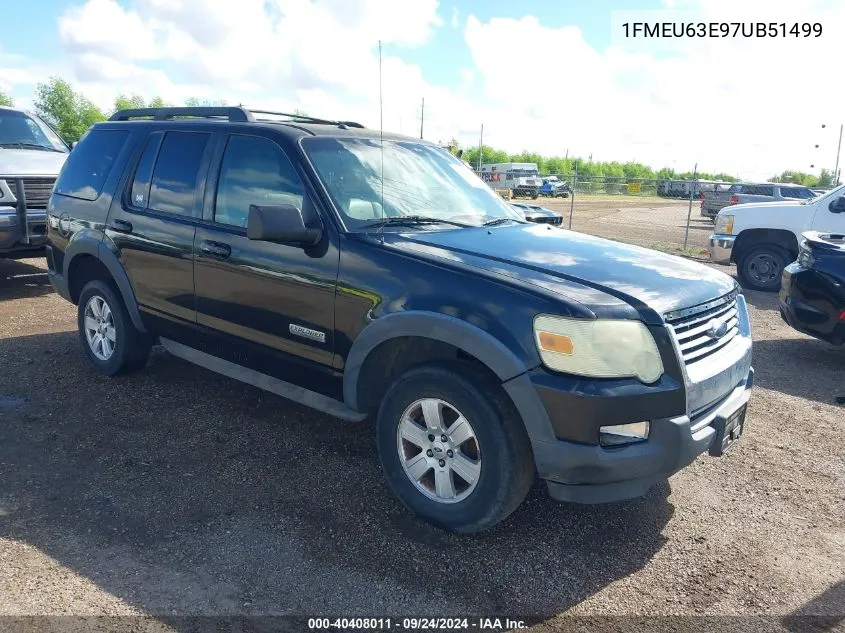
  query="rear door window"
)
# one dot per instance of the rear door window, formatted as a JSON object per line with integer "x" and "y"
{"x": 90, "y": 163}
{"x": 173, "y": 188}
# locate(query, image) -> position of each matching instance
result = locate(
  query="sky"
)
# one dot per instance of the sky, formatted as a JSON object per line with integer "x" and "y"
{"x": 553, "y": 76}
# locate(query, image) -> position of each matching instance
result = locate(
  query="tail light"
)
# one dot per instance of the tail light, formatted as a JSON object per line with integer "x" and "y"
{"x": 734, "y": 199}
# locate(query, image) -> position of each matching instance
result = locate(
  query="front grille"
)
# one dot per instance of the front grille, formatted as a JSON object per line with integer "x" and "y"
{"x": 36, "y": 190}
{"x": 703, "y": 330}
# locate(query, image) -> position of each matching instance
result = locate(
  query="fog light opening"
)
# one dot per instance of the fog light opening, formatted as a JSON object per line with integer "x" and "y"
{"x": 619, "y": 434}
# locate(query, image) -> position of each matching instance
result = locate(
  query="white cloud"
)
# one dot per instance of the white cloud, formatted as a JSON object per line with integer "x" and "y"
{"x": 747, "y": 105}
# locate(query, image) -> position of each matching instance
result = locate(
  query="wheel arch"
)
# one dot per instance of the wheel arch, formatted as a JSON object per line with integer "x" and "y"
{"x": 750, "y": 238}
{"x": 435, "y": 336}
{"x": 88, "y": 258}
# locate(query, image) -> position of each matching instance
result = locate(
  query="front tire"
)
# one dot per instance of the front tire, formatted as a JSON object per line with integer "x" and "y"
{"x": 452, "y": 449}
{"x": 109, "y": 338}
{"x": 761, "y": 267}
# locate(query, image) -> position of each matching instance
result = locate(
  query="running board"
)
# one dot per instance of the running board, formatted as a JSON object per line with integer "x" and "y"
{"x": 281, "y": 388}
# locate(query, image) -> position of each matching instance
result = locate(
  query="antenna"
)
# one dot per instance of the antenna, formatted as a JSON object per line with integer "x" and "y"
{"x": 422, "y": 117}
{"x": 381, "y": 136}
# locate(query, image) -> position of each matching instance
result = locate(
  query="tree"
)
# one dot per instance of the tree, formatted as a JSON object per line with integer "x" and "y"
{"x": 122, "y": 102}
{"x": 69, "y": 112}
{"x": 194, "y": 102}
{"x": 6, "y": 100}
{"x": 825, "y": 178}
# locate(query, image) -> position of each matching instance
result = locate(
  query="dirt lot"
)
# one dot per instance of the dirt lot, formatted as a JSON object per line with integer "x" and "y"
{"x": 177, "y": 492}
{"x": 647, "y": 221}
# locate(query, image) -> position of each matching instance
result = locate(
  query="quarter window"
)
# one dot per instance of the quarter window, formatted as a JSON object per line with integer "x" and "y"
{"x": 90, "y": 163}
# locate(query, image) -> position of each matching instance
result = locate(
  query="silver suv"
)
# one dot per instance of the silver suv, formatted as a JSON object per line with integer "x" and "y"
{"x": 31, "y": 156}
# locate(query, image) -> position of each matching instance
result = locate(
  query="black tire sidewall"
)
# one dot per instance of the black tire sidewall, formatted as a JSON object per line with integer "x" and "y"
{"x": 121, "y": 356}
{"x": 776, "y": 252}
{"x": 499, "y": 459}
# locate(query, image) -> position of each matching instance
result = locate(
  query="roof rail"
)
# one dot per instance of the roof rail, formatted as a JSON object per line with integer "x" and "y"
{"x": 304, "y": 118}
{"x": 233, "y": 114}
{"x": 163, "y": 114}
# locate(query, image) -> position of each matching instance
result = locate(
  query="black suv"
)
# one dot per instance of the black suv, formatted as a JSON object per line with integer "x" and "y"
{"x": 361, "y": 273}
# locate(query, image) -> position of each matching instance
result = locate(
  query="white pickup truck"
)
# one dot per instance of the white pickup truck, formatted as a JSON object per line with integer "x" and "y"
{"x": 763, "y": 237}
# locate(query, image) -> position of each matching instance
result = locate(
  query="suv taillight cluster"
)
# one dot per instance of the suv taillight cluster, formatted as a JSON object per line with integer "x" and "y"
{"x": 734, "y": 199}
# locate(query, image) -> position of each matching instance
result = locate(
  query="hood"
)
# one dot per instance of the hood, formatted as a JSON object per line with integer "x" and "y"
{"x": 730, "y": 210}
{"x": 30, "y": 162}
{"x": 650, "y": 281}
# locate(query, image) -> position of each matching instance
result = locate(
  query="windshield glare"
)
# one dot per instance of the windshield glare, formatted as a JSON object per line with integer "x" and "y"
{"x": 419, "y": 180}
{"x": 19, "y": 128}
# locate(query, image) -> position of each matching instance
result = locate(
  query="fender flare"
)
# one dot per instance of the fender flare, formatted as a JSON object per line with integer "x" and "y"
{"x": 440, "y": 327}
{"x": 89, "y": 246}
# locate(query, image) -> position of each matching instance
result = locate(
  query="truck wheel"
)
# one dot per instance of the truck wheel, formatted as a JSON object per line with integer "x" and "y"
{"x": 108, "y": 336}
{"x": 452, "y": 449}
{"x": 761, "y": 267}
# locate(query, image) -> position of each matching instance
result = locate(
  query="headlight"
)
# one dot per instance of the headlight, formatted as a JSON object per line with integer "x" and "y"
{"x": 805, "y": 255}
{"x": 598, "y": 348}
{"x": 725, "y": 224}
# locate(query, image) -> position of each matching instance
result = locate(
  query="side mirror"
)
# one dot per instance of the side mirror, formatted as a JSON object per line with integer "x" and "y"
{"x": 280, "y": 223}
{"x": 838, "y": 205}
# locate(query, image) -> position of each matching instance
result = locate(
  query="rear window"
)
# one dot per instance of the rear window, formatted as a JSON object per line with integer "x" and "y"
{"x": 758, "y": 190}
{"x": 90, "y": 163}
{"x": 797, "y": 192}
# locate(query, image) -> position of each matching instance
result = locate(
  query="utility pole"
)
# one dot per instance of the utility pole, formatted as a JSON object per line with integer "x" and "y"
{"x": 480, "y": 147}
{"x": 838, "y": 148}
{"x": 422, "y": 117}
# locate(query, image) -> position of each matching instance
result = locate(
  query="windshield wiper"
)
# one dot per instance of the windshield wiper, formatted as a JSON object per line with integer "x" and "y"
{"x": 497, "y": 221}
{"x": 46, "y": 148}
{"x": 411, "y": 220}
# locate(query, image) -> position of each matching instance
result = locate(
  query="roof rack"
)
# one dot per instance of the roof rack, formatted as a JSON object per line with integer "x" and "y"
{"x": 237, "y": 114}
{"x": 304, "y": 118}
{"x": 164, "y": 114}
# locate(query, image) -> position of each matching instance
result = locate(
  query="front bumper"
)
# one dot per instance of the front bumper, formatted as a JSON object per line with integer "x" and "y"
{"x": 563, "y": 416}
{"x": 721, "y": 247}
{"x": 583, "y": 473}
{"x": 12, "y": 236}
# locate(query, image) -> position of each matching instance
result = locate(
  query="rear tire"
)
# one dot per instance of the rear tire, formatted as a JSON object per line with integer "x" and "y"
{"x": 486, "y": 466}
{"x": 761, "y": 267}
{"x": 111, "y": 341}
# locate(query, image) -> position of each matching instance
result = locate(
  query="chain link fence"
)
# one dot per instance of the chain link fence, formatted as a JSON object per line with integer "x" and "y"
{"x": 656, "y": 213}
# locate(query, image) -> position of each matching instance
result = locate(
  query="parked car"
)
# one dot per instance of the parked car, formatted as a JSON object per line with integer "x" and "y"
{"x": 763, "y": 238}
{"x": 31, "y": 156}
{"x": 812, "y": 294}
{"x": 741, "y": 193}
{"x": 553, "y": 187}
{"x": 537, "y": 214}
{"x": 313, "y": 259}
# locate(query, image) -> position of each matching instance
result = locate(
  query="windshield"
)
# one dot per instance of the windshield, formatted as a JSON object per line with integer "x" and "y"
{"x": 20, "y": 130}
{"x": 419, "y": 180}
{"x": 837, "y": 191}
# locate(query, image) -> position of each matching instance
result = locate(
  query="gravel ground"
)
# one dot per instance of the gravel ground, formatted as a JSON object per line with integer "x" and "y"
{"x": 178, "y": 492}
{"x": 648, "y": 221}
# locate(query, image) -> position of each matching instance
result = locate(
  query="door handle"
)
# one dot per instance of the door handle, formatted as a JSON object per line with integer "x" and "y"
{"x": 120, "y": 226}
{"x": 215, "y": 249}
